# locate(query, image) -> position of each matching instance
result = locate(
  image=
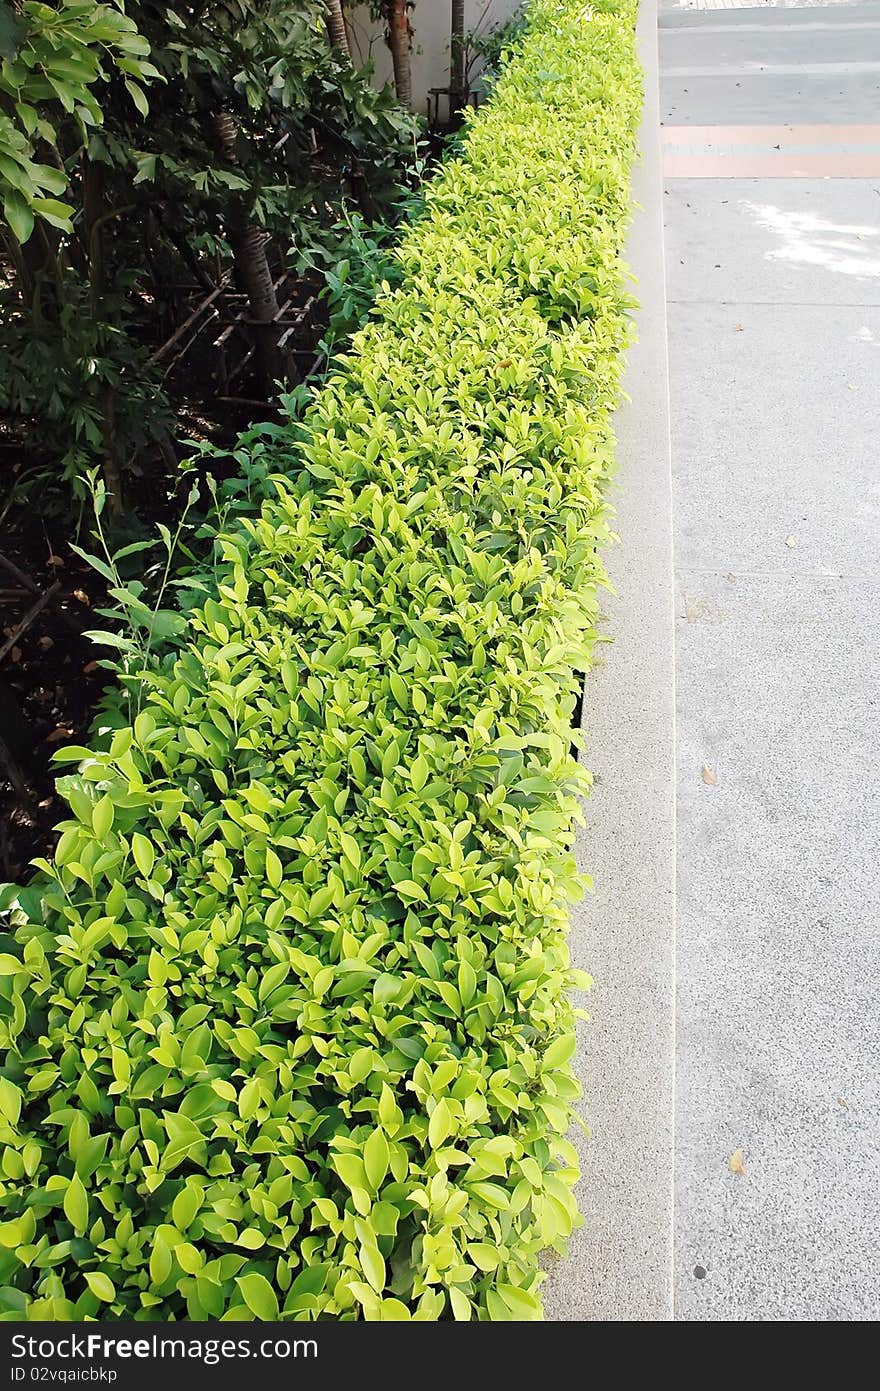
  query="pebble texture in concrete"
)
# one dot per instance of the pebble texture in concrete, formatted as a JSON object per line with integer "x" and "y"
{"x": 797, "y": 462}
{"x": 775, "y": 381}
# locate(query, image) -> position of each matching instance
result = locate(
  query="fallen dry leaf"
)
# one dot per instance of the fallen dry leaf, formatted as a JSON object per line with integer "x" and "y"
{"x": 709, "y": 776}
{"x": 695, "y": 610}
{"x": 842, "y": 1101}
{"x": 81, "y": 595}
{"x": 58, "y": 734}
{"x": 737, "y": 1163}
{"x": 89, "y": 668}
{"x": 791, "y": 542}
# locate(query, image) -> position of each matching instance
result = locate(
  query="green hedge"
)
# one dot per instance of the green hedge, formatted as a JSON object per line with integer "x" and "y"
{"x": 289, "y": 1034}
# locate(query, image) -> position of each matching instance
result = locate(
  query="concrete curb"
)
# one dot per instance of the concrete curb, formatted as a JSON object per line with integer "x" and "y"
{"x": 621, "y": 1266}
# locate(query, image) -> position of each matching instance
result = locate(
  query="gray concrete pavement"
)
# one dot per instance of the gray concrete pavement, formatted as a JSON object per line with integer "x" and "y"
{"x": 774, "y": 340}
{"x": 789, "y": 241}
{"x": 789, "y": 450}
{"x": 827, "y": 63}
{"x": 748, "y": 97}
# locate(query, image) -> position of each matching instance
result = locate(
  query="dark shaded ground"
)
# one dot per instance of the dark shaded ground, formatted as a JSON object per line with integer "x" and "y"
{"x": 50, "y": 682}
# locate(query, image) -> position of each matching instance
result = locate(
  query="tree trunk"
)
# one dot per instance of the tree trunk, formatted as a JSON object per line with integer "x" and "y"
{"x": 458, "y": 95}
{"x": 336, "y": 26}
{"x": 339, "y": 38}
{"x": 249, "y": 246}
{"x": 252, "y": 268}
{"x": 398, "y": 39}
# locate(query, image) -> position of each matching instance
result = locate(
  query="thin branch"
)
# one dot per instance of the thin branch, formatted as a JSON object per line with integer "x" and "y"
{"x": 12, "y": 569}
{"x": 28, "y": 619}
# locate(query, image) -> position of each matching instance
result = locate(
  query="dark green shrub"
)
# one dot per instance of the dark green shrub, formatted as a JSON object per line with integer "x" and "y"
{"x": 288, "y": 1017}
{"x": 168, "y": 131}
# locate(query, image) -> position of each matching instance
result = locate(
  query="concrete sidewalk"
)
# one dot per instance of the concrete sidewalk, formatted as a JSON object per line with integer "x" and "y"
{"x": 774, "y": 337}
{"x": 621, "y": 1259}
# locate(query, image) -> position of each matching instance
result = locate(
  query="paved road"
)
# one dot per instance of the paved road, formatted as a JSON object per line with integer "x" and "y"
{"x": 774, "y": 316}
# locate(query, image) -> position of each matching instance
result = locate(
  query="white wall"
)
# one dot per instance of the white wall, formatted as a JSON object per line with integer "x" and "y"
{"x": 430, "y": 22}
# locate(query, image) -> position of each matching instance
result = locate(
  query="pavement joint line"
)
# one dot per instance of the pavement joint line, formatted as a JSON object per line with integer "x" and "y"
{"x": 776, "y": 70}
{"x": 764, "y": 7}
{"x": 863, "y": 576}
{"x": 723, "y": 150}
{"x": 820, "y": 134}
{"x": 780, "y": 164}
{"x": 781, "y": 303}
{"x": 763, "y": 28}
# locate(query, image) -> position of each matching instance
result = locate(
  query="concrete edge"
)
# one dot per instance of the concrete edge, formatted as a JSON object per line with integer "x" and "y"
{"x": 621, "y": 1259}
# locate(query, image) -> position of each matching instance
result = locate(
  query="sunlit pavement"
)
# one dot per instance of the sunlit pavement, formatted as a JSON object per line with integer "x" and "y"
{"x": 772, "y": 198}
